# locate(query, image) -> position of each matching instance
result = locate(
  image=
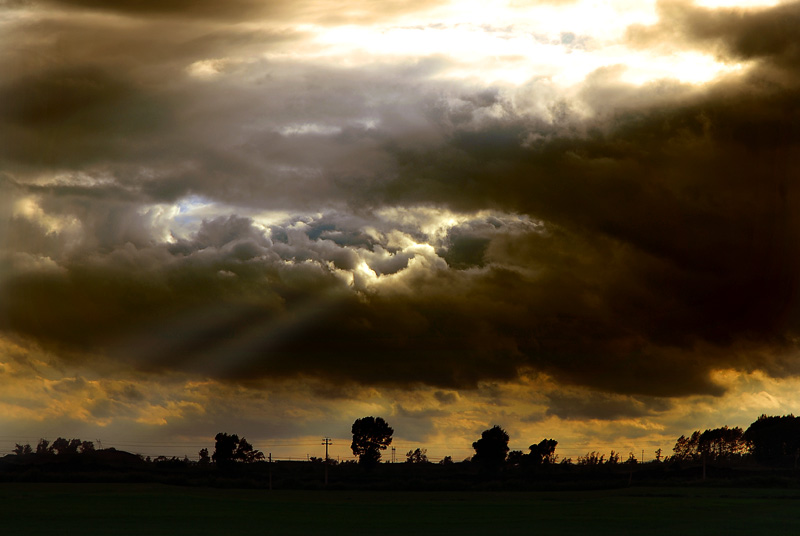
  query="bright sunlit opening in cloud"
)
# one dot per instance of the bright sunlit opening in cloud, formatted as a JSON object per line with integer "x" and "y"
{"x": 516, "y": 53}
{"x": 309, "y": 128}
{"x": 687, "y": 67}
{"x": 30, "y": 209}
{"x": 737, "y": 3}
{"x": 208, "y": 69}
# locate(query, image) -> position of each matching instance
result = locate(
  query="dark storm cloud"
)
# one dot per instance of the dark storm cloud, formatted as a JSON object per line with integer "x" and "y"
{"x": 735, "y": 32}
{"x": 224, "y": 304}
{"x": 445, "y": 398}
{"x": 678, "y": 227}
{"x": 81, "y": 92}
{"x": 147, "y": 51}
{"x": 102, "y": 294}
{"x": 594, "y": 405}
{"x": 231, "y": 303}
{"x": 131, "y": 101}
{"x": 318, "y": 11}
{"x": 465, "y": 246}
{"x": 54, "y": 96}
{"x": 673, "y": 226}
{"x": 631, "y": 252}
{"x": 73, "y": 116}
{"x": 417, "y": 424}
{"x": 181, "y": 8}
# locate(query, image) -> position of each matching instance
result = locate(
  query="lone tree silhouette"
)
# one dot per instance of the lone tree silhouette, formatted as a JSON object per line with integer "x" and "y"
{"x": 417, "y": 456}
{"x": 371, "y": 435}
{"x": 229, "y": 449}
{"x": 543, "y": 452}
{"x": 491, "y": 449}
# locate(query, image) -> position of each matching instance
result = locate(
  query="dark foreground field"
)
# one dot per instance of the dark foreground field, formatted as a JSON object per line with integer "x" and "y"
{"x": 148, "y": 509}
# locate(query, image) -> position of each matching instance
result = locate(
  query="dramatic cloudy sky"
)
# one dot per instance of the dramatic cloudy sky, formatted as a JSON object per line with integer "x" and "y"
{"x": 576, "y": 219}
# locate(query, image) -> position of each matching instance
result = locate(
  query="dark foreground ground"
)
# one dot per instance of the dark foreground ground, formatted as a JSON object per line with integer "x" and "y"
{"x": 149, "y": 509}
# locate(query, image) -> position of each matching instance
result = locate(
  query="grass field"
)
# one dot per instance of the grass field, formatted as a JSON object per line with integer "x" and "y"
{"x": 150, "y": 509}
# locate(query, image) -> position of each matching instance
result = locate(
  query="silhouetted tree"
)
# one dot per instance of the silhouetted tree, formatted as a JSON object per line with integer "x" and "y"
{"x": 543, "y": 452}
{"x": 417, "y": 456}
{"x": 59, "y": 446}
{"x": 87, "y": 446}
{"x": 63, "y": 446}
{"x": 491, "y": 449}
{"x": 204, "y": 457}
{"x": 687, "y": 448}
{"x": 42, "y": 446}
{"x": 447, "y": 460}
{"x": 22, "y": 450}
{"x": 246, "y": 453}
{"x": 371, "y": 435}
{"x": 224, "y": 448}
{"x": 775, "y": 440}
{"x": 229, "y": 449}
{"x": 515, "y": 458}
{"x": 592, "y": 459}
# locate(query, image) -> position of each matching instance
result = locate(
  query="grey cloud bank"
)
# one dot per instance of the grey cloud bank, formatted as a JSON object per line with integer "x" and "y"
{"x": 430, "y": 232}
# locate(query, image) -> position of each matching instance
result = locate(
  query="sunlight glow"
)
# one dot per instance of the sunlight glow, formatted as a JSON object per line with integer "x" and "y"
{"x": 489, "y": 53}
{"x": 300, "y": 129}
{"x": 29, "y": 208}
{"x": 687, "y": 67}
{"x": 737, "y": 3}
{"x": 210, "y": 68}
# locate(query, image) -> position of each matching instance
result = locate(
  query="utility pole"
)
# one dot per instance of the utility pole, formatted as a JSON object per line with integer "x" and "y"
{"x": 326, "y": 441}
{"x": 270, "y": 471}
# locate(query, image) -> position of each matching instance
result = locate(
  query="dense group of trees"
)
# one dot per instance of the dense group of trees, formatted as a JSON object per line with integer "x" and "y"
{"x": 59, "y": 447}
{"x": 717, "y": 444}
{"x": 770, "y": 440}
{"x": 491, "y": 449}
{"x": 775, "y": 440}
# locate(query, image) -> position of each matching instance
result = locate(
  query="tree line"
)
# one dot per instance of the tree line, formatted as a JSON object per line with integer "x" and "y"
{"x": 770, "y": 441}
{"x": 59, "y": 447}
